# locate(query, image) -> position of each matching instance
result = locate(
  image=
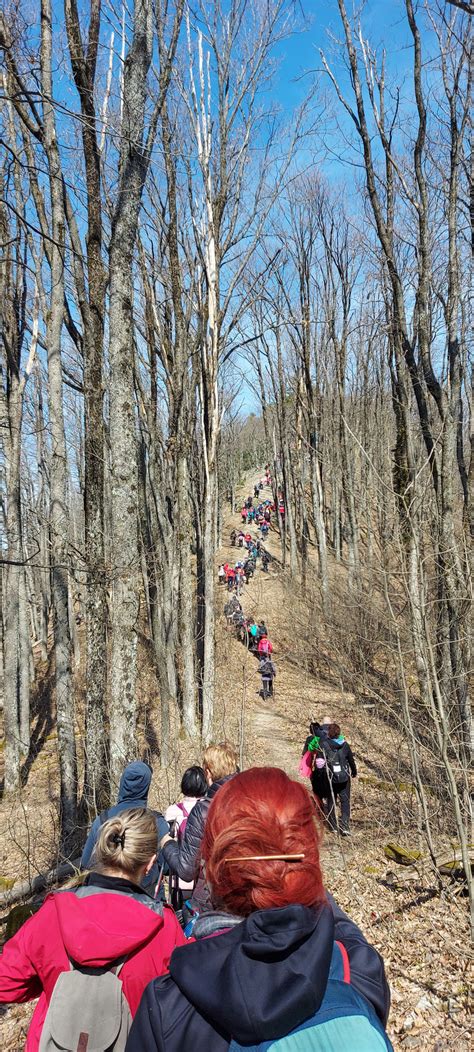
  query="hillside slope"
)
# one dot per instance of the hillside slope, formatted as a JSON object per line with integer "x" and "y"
{"x": 423, "y": 939}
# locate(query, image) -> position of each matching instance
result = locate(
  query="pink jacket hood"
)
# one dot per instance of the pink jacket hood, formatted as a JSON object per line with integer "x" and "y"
{"x": 93, "y": 936}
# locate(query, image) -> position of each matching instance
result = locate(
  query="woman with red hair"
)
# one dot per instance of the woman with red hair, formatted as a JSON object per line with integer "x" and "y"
{"x": 273, "y": 968}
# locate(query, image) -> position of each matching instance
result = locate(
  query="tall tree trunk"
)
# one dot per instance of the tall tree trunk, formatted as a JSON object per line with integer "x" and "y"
{"x": 123, "y": 436}
{"x": 59, "y": 470}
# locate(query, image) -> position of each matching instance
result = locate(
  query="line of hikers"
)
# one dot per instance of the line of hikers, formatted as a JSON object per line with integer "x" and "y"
{"x": 254, "y": 635}
{"x": 272, "y": 955}
{"x": 328, "y": 762}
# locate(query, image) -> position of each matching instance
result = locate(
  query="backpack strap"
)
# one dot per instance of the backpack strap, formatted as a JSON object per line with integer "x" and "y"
{"x": 344, "y": 961}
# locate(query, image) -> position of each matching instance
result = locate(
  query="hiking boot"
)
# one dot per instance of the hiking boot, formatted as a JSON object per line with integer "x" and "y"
{"x": 346, "y": 832}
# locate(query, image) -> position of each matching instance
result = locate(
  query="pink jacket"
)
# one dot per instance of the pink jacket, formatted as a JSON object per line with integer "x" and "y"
{"x": 93, "y": 926}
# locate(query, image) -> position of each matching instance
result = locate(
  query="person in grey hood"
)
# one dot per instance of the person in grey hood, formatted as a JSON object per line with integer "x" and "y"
{"x": 133, "y": 792}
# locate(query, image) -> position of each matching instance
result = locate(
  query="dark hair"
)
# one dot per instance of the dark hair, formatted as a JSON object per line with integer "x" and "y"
{"x": 334, "y": 730}
{"x": 193, "y": 782}
{"x": 314, "y": 727}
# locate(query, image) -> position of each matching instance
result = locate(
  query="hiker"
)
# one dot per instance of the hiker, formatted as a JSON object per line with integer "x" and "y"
{"x": 265, "y": 561}
{"x": 233, "y": 538}
{"x": 252, "y": 629}
{"x": 340, "y": 767}
{"x": 239, "y": 578}
{"x": 267, "y": 671}
{"x": 100, "y": 920}
{"x": 243, "y": 514}
{"x": 256, "y": 490}
{"x": 265, "y": 648}
{"x": 221, "y": 574}
{"x": 249, "y": 568}
{"x": 133, "y": 792}
{"x": 240, "y": 539}
{"x": 230, "y": 578}
{"x": 219, "y": 763}
{"x": 248, "y": 502}
{"x": 193, "y": 788}
{"x": 273, "y": 968}
{"x": 264, "y": 528}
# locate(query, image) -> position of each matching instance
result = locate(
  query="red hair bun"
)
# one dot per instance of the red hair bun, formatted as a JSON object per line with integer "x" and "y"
{"x": 262, "y": 812}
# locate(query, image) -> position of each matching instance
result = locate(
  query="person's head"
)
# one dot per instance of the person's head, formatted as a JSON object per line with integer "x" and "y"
{"x": 334, "y": 730}
{"x": 313, "y": 727}
{"x": 193, "y": 782}
{"x": 135, "y": 783}
{"x": 326, "y": 720}
{"x": 127, "y": 844}
{"x": 219, "y": 761}
{"x": 262, "y": 812}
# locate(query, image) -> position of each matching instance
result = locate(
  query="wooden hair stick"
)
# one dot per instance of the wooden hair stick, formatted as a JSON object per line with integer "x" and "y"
{"x": 265, "y": 858}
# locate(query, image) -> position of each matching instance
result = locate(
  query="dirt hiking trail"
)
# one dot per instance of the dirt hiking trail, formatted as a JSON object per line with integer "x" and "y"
{"x": 423, "y": 940}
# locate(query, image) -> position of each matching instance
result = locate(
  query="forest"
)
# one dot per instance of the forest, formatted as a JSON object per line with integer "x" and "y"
{"x": 234, "y": 233}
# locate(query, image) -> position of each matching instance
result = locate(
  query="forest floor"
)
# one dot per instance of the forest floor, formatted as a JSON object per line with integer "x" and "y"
{"x": 423, "y": 938}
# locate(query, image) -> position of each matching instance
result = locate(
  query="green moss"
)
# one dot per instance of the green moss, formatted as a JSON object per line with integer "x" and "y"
{"x": 399, "y": 854}
{"x": 17, "y": 917}
{"x": 371, "y": 870}
{"x": 6, "y": 883}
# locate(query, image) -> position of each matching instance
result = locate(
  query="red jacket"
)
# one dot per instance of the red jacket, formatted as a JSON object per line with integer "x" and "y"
{"x": 94, "y": 926}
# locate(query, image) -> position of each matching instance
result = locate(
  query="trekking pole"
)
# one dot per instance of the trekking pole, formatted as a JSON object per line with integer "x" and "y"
{"x": 242, "y": 718}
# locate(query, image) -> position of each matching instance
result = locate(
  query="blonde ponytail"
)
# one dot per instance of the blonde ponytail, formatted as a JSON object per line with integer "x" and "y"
{"x": 127, "y": 842}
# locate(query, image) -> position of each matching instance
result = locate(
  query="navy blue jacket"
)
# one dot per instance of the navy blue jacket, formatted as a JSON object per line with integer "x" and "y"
{"x": 253, "y": 982}
{"x": 133, "y": 792}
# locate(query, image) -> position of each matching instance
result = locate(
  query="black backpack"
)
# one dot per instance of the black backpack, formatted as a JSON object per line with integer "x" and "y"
{"x": 336, "y": 763}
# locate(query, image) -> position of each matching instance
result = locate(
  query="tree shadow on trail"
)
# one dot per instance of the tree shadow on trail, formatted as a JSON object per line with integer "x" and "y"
{"x": 41, "y": 710}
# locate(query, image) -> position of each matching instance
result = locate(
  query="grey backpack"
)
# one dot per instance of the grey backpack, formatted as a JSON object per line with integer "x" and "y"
{"x": 87, "y": 1012}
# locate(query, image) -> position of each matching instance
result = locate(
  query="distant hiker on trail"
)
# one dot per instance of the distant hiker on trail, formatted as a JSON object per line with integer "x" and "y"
{"x": 240, "y": 539}
{"x": 239, "y": 579}
{"x": 233, "y": 538}
{"x": 265, "y": 647}
{"x": 340, "y": 767}
{"x": 221, "y": 574}
{"x": 232, "y": 607}
{"x": 252, "y": 631}
{"x": 264, "y": 528}
{"x": 261, "y": 630}
{"x": 267, "y": 671}
{"x": 249, "y": 568}
{"x": 265, "y": 561}
{"x": 230, "y": 578}
{"x": 133, "y": 793}
{"x": 193, "y": 788}
{"x": 248, "y": 502}
{"x": 102, "y": 920}
{"x": 244, "y": 513}
{"x": 256, "y": 490}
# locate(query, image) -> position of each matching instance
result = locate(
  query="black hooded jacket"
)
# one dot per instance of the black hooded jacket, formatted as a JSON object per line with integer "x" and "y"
{"x": 253, "y": 982}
